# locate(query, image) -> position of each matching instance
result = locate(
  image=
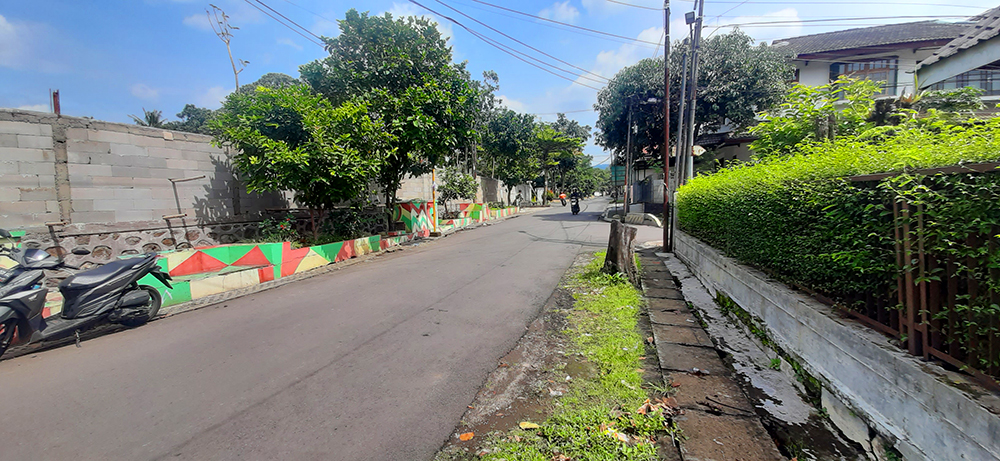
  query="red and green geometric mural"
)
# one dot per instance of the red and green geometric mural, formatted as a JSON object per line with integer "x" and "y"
{"x": 205, "y": 271}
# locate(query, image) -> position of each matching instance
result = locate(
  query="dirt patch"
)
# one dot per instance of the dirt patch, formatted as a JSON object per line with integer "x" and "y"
{"x": 526, "y": 381}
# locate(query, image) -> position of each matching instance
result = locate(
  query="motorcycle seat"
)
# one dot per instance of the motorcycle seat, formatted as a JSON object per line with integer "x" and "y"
{"x": 102, "y": 274}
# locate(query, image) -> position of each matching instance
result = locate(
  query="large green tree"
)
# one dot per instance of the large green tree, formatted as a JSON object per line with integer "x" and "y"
{"x": 270, "y": 80}
{"x": 736, "y": 80}
{"x": 508, "y": 148}
{"x": 403, "y": 71}
{"x": 556, "y": 153}
{"x": 292, "y": 139}
{"x": 193, "y": 119}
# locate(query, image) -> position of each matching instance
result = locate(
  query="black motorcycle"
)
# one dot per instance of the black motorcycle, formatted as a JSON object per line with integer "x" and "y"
{"x": 575, "y": 205}
{"x": 107, "y": 293}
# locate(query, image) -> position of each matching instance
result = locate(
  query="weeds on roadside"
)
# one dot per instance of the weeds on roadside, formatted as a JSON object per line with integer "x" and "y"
{"x": 607, "y": 416}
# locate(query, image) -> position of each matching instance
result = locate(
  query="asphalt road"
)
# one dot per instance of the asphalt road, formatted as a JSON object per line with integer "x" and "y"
{"x": 374, "y": 362}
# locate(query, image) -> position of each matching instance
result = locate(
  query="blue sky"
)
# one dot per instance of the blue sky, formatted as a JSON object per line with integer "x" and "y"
{"x": 114, "y": 58}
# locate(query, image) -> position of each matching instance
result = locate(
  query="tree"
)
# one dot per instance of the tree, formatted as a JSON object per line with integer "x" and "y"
{"x": 813, "y": 113}
{"x": 219, "y": 21}
{"x": 507, "y": 147}
{"x": 736, "y": 80}
{"x": 456, "y": 185}
{"x": 193, "y": 119}
{"x": 402, "y": 69}
{"x": 291, "y": 139}
{"x": 571, "y": 128}
{"x": 270, "y": 80}
{"x": 150, "y": 118}
{"x": 555, "y": 152}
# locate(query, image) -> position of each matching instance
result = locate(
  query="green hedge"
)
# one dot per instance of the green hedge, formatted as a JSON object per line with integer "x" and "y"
{"x": 800, "y": 219}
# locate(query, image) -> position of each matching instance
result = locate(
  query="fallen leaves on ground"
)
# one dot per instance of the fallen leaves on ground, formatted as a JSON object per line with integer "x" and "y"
{"x": 668, "y": 405}
{"x": 466, "y": 436}
{"x": 528, "y": 425}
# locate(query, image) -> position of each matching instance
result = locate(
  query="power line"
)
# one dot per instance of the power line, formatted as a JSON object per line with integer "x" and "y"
{"x": 502, "y": 48}
{"x": 562, "y": 112}
{"x": 282, "y": 23}
{"x": 555, "y": 26}
{"x": 801, "y": 21}
{"x": 719, "y": 16}
{"x": 563, "y": 23}
{"x": 524, "y": 44}
{"x": 779, "y": 2}
{"x": 310, "y": 11}
{"x": 289, "y": 20}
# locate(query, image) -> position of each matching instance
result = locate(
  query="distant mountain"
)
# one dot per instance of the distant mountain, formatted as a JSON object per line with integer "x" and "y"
{"x": 603, "y": 166}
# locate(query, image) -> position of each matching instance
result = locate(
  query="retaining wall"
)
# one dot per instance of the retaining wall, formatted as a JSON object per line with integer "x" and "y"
{"x": 931, "y": 413}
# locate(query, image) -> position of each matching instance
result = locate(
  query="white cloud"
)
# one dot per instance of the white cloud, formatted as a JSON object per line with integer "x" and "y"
{"x": 604, "y": 7}
{"x": 198, "y": 21}
{"x": 212, "y": 98}
{"x": 143, "y": 91}
{"x": 409, "y": 9}
{"x": 765, "y": 33}
{"x": 19, "y": 47}
{"x": 561, "y": 12}
{"x": 513, "y": 104}
{"x": 35, "y": 107}
{"x": 289, "y": 42}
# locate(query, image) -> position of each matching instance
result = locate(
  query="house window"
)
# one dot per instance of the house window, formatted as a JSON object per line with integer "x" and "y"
{"x": 986, "y": 80}
{"x": 879, "y": 70}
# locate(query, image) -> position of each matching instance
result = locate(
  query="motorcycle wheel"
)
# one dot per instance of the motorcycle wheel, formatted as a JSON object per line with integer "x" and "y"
{"x": 155, "y": 300}
{"x": 7, "y": 335}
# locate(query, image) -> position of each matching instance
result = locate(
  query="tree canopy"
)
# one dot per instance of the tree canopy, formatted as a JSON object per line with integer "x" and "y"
{"x": 291, "y": 139}
{"x": 736, "y": 80}
{"x": 402, "y": 70}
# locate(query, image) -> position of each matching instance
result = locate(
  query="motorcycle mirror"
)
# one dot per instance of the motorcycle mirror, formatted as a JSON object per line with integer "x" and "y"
{"x": 81, "y": 251}
{"x": 4, "y": 233}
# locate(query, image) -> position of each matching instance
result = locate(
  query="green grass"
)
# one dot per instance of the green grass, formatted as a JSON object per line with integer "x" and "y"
{"x": 604, "y": 329}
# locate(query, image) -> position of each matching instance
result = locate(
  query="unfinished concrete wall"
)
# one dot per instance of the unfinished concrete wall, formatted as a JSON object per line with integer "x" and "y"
{"x": 82, "y": 171}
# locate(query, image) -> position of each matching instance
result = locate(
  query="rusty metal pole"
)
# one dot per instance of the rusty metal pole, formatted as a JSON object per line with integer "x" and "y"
{"x": 668, "y": 234}
{"x": 55, "y": 102}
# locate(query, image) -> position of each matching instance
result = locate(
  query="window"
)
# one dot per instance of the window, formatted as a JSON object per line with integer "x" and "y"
{"x": 986, "y": 80}
{"x": 879, "y": 70}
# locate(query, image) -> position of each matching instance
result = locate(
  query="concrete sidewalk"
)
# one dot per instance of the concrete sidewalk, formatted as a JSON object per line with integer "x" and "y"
{"x": 718, "y": 421}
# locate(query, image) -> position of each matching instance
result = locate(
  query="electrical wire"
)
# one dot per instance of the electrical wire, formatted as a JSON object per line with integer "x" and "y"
{"x": 563, "y": 23}
{"x": 525, "y": 44}
{"x": 501, "y": 47}
{"x": 310, "y": 11}
{"x": 802, "y": 21}
{"x": 282, "y": 23}
{"x": 289, "y": 20}
{"x": 554, "y": 26}
{"x": 779, "y": 2}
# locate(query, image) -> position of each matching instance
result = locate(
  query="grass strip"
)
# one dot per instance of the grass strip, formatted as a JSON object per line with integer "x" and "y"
{"x": 598, "y": 418}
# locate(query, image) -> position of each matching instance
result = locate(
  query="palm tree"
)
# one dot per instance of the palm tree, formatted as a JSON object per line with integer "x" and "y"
{"x": 150, "y": 118}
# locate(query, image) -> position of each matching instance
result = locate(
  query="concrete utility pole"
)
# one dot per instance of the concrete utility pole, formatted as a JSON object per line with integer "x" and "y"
{"x": 628, "y": 159}
{"x": 667, "y": 231}
{"x": 681, "y": 139}
{"x": 689, "y": 162}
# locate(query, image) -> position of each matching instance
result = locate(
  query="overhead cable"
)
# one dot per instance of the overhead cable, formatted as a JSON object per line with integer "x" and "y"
{"x": 282, "y": 23}
{"x": 501, "y": 47}
{"x": 564, "y": 23}
{"x": 522, "y": 43}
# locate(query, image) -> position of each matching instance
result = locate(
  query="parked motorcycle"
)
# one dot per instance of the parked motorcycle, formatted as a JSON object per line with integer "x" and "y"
{"x": 107, "y": 293}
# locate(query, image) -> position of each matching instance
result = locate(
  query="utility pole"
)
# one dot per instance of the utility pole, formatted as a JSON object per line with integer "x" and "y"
{"x": 628, "y": 159}
{"x": 667, "y": 223}
{"x": 681, "y": 146}
{"x": 694, "y": 89}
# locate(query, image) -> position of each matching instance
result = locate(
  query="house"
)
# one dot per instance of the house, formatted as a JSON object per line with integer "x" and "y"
{"x": 888, "y": 53}
{"x": 971, "y": 59}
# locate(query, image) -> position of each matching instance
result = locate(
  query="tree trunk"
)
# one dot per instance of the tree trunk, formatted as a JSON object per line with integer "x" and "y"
{"x": 620, "y": 259}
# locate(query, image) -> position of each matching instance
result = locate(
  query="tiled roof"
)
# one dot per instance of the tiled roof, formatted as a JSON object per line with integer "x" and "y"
{"x": 986, "y": 27}
{"x": 866, "y": 37}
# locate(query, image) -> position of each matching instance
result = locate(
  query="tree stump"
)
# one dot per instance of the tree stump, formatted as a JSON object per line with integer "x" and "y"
{"x": 621, "y": 246}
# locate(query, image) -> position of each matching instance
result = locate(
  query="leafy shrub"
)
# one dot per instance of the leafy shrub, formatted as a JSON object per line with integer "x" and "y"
{"x": 456, "y": 185}
{"x": 800, "y": 219}
{"x": 278, "y": 229}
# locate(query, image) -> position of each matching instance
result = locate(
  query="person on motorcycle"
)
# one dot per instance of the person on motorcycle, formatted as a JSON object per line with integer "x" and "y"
{"x": 562, "y": 198}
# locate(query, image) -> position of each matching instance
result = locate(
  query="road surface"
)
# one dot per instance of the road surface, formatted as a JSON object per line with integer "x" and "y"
{"x": 374, "y": 362}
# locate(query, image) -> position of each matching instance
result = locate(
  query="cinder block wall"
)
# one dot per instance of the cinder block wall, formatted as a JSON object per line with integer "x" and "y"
{"x": 82, "y": 171}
